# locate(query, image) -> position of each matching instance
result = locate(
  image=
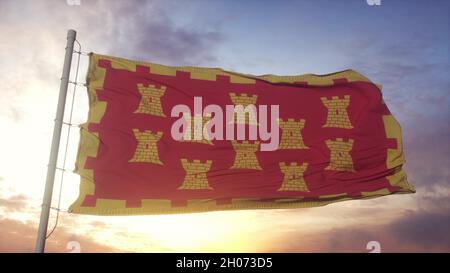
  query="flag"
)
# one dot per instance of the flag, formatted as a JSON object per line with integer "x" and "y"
{"x": 162, "y": 139}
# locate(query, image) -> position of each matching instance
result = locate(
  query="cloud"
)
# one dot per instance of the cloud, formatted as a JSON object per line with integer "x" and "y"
{"x": 19, "y": 236}
{"x": 412, "y": 69}
{"x": 414, "y": 231}
{"x": 427, "y": 152}
{"x": 429, "y": 230}
{"x": 140, "y": 30}
{"x": 149, "y": 33}
{"x": 14, "y": 203}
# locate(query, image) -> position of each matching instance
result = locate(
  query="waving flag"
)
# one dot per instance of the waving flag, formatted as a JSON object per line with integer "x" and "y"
{"x": 163, "y": 139}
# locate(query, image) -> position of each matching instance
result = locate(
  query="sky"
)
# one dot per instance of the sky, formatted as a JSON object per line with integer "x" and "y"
{"x": 401, "y": 44}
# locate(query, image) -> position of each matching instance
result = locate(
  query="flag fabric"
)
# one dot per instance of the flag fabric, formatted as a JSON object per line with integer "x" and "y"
{"x": 332, "y": 139}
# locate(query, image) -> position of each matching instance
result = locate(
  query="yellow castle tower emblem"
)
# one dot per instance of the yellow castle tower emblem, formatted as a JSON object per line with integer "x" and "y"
{"x": 146, "y": 150}
{"x": 293, "y": 177}
{"x": 340, "y": 158}
{"x": 337, "y": 116}
{"x": 195, "y": 127}
{"x": 195, "y": 178}
{"x": 245, "y": 100}
{"x": 291, "y": 137}
{"x": 245, "y": 155}
{"x": 150, "y": 102}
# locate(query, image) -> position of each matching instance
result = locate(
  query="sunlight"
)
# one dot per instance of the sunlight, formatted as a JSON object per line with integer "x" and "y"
{"x": 216, "y": 231}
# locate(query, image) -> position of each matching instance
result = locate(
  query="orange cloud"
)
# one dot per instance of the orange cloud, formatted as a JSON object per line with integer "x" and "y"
{"x": 415, "y": 231}
{"x": 16, "y": 236}
{"x": 14, "y": 203}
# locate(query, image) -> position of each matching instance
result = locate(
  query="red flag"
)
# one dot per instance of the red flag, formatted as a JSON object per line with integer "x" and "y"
{"x": 161, "y": 139}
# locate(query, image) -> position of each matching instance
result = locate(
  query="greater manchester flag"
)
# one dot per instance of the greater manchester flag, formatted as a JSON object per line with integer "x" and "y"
{"x": 159, "y": 140}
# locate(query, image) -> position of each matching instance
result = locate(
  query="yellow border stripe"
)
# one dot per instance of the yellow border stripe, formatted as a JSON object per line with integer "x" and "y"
{"x": 209, "y": 74}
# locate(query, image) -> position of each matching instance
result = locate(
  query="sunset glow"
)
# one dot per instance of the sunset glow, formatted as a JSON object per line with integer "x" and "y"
{"x": 402, "y": 46}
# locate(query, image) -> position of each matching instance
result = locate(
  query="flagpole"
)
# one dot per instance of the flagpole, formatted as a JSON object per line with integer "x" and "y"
{"x": 47, "y": 199}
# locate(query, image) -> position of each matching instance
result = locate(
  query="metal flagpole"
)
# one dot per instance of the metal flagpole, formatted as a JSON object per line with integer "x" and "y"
{"x": 47, "y": 199}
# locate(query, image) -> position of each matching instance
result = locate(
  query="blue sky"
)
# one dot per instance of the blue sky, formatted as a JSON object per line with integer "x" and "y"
{"x": 401, "y": 44}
